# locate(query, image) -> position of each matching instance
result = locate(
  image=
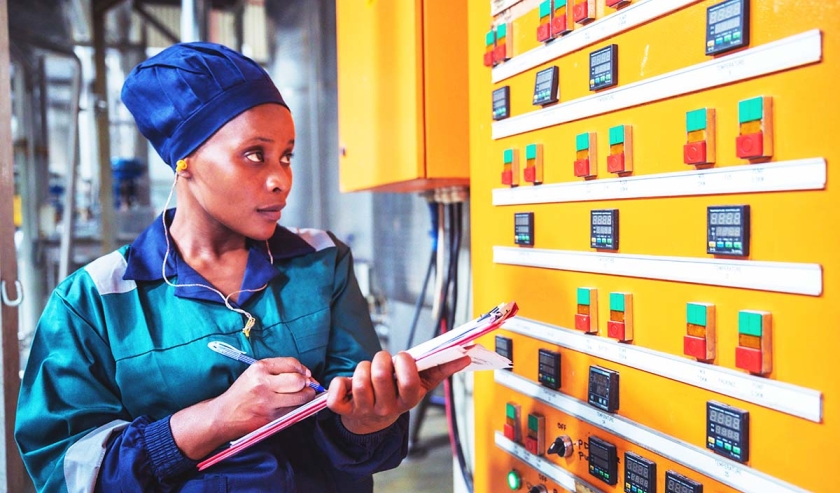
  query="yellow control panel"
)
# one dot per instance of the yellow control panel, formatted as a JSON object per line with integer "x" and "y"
{"x": 650, "y": 181}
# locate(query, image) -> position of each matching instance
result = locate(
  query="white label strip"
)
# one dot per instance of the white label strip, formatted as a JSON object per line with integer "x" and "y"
{"x": 634, "y": 15}
{"x": 793, "y": 51}
{"x": 738, "y": 476}
{"x": 772, "y": 394}
{"x": 499, "y": 6}
{"x": 800, "y": 174}
{"x": 557, "y": 474}
{"x": 782, "y": 277}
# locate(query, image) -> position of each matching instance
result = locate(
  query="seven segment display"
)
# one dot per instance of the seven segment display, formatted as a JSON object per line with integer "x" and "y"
{"x": 727, "y": 26}
{"x": 603, "y": 460}
{"x": 728, "y": 231}
{"x": 549, "y": 369}
{"x": 728, "y": 431}
{"x": 603, "y": 388}
{"x": 523, "y": 228}
{"x": 677, "y": 483}
{"x": 501, "y": 103}
{"x": 603, "y": 67}
{"x": 604, "y": 229}
{"x": 545, "y": 86}
{"x": 639, "y": 474}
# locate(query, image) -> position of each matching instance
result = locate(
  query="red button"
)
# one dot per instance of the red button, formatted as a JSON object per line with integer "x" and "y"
{"x": 507, "y": 177}
{"x": 581, "y": 11}
{"x": 582, "y": 167}
{"x": 510, "y": 433}
{"x": 582, "y": 322}
{"x": 694, "y": 152}
{"x": 544, "y": 32}
{"x": 615, "y": 330}
{"x": 530, "y": 174}
{"x": 558, "y": 25}
{"x": 615, "y": 163}
{"x": 500, "y": 53}
{"x": 747, "y": 358}
{"x": 488, "y": 59}
{"x": 531, "y": 445}
{"x": 695, "y": 346}
{"x": 615, "y": 3}
{"x": 750, "y": 145}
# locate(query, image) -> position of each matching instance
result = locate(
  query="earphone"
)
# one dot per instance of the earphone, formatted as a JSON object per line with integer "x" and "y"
{"x": 180, "y": 165}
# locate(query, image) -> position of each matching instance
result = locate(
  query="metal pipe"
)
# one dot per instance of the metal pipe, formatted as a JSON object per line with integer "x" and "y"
{"x": 103, "y": 133}
{"x": 66, "y": 246}
{"x": 194, "y": 20}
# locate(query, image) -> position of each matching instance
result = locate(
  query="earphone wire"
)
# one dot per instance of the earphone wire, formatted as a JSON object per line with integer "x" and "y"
{"x": 226, "y": 299}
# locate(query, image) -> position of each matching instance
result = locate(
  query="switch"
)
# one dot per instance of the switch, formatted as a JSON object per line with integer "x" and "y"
{"x": 510, "y": 170}
{"x": 489, "y": 48}
{"x": 512, "y": 431}
{"x": 754, "y": 351}
{"x": 584, "y": 11}
{"x": 535, "y": 441}
{"x": 538, "y": 489}
{"x": 544, "y": 27}
{"x": 755, "y": 117}
{"x": 620, "y": 325}
{"x": 700, "y": 136}
{"x": 560, "y": 20}
{"x": 504, "y": 42}
{"x": 586, "y": 318}
{"x": 699, "y": 341}
{"x": 620, "y": 160}
{"x": 514, "y": 480}
{"x": 586, "y": 157}
{"x": 563, "y": 446}
{"x": 533, "y": 172}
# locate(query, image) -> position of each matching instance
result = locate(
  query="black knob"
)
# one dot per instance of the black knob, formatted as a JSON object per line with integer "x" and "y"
{"x": 538, "y": 489}
{"x": 562, "y": 446}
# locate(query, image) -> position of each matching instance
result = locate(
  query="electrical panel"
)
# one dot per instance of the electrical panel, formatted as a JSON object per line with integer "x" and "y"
{"x": 709, "y": 308}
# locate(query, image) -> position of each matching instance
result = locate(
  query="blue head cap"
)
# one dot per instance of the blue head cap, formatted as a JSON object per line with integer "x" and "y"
{"x": 184, "y": 94}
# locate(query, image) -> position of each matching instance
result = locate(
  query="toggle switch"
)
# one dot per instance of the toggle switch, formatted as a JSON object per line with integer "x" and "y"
{"x": 544, "y": 27}
{"x": 755, "y": 118}
{"x": 585, "y": 159}
{"x": 620, "y": 160}
{"x": 700, "y": 136}
{"x": 563, "y": 446}
{"x": 620, "y": 325}
{"x": 538, "y": 489}
{"x": 560, "y": 20}
{"x": 699, "y": 341}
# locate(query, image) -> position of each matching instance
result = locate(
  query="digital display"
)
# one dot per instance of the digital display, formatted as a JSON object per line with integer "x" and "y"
{"x": 727, "y": 26}
{"x": 727, "y": 431}
{"x": 504, "y": 347}
{"x": 523, "y": 228}
{"x": 677, "y": 483}
{"x": 603, "y": 460}
{"x": 545, "y": 87}
{"x": 604, "y": 229}
{"x": 501, "y": 103}
{"x": 639, "y": 474}
{"x": 728, "y": 230}
{"x": 603, "y": 67}
{"x": 603, "y": 388}
{"x": 549, "y": 369}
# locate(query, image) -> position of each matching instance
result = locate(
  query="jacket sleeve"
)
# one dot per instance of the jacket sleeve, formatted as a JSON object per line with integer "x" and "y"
{"x": 69, "y": 414}
{"x": 353, "y": 339}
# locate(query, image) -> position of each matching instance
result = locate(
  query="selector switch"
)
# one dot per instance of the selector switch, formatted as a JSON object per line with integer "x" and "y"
{"x": 538, "y": 489}
{"x": 563, "y": 446}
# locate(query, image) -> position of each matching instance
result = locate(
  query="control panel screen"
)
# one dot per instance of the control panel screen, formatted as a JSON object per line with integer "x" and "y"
{"x": 549, "y": 369}
{"x": 603, "y": 67}
{"x": 501, "y": 103}
{"x": 603, "y": 388}
{"x": 523, "y": 228}
{"x": 603, "y": 460}
{"x": 728, "y": 230}
{"x": 728, "y": 431}
{"x": 639, "y": 474}
{"x": 677, "y": 483}
{"x": 604, "y": 229}
{"x": 545, "y": 87}
{"x": 727, "y": 26}
{"x": 504, "y": 347}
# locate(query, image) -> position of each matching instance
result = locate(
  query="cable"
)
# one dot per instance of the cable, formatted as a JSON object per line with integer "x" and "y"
{"x": 418, "y": 306}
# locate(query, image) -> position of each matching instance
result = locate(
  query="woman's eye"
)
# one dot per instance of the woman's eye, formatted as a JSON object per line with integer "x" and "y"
{"x": 287, "y": 158}
{"x": 255, "y": 156}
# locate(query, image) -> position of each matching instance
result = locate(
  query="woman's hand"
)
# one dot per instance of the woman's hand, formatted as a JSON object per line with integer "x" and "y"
{"x": 265, "y": 391}
{"x": 383, "y": 389}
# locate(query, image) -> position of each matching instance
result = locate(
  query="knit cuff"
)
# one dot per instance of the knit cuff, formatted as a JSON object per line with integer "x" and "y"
{"x": 165, "y": 457}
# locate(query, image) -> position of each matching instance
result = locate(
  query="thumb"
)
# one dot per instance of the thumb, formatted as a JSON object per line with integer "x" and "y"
{"x": 436, "y": 374}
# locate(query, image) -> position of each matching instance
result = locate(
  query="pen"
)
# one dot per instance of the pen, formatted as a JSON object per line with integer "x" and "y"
{"x": 231, "y": 352}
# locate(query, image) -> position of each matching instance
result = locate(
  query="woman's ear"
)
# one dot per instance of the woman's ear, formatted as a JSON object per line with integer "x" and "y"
{"x": 181, "y": 168}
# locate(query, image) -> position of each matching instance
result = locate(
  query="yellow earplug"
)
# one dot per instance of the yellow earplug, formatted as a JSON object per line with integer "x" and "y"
{"x": 180, "y": 165}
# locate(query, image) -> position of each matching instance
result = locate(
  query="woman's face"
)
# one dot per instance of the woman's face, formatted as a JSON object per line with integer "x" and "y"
{"x": 242, "y": 175}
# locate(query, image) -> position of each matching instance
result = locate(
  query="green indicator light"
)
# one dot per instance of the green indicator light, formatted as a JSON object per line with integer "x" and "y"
{"x": 490, "y": 38}
{"x": 582, "y": 142}
{"x": 559, "y": 4}
{"x": 545, "y": 8}
{"x": 508, "y": 156}
{"x": 514, "y": 480}
{"x": 695, "y": 120}
{"x": 511, "y": 411}
{"x": 501, "y": 31}
{"x": 696, "y": 314}
{"x": 750, "y": 110}
{"x": 617, "y": 302}
{"x": 533, "y": 423}
{"x": 617, "y": 135}
{"x": 583, "y": 296}
{"x": 531, "y": 151}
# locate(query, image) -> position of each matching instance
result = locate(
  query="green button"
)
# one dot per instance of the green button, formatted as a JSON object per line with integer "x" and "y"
{"x": 750, "y": 109}
{"x": 531, "y": 151}
{"x": 749, "y": 323}
{"x": 617, "y": 135}
{"x": 533, "y": 423}
{"x": 582, "y": 142}
{"x": 727, "y": 447}
{"x": 617, "y": 302}
{"x": 696, "y": 314}
{"x": 508, "y": 156}
{"x": 545, "y": 8}
{"x": 501, "y": 31}
{"x": 490, "y": 38}
{"x": 510, "y": 411}
{"x": 583, "y": 296}
{"x": 559, "y": 4}
{"x": 737, "y": 450}
{"x": 695, "y": 120}
{"x": 514, "y": 480}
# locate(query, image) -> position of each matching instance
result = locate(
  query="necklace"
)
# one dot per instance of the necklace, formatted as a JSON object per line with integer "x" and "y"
{"x": 249, "y": 324}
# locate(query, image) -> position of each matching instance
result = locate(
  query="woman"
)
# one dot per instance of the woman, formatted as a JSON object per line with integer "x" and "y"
{"x": 121, "y": 392}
